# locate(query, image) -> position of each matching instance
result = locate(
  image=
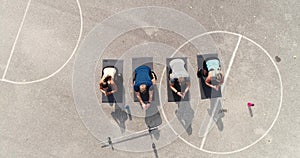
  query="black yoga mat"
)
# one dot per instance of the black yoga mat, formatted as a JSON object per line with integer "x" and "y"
{"x": 206, "y": 92}
{"x": 118, "y": 79}
{"x": 172, "y": 97}
{"x": 136, "y": 62}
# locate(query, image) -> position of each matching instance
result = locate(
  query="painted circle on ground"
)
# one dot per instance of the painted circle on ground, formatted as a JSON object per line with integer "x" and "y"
{"x": 98, "y": 39}
{"x": 92, "y": 48}
{"x": 281, "y": 91}
{"x": 67, "y": 61}
{"x": 158, "y": 52}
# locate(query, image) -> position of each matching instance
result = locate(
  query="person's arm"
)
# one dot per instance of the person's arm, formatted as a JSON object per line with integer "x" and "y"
{"x": 188, "y": 85}
{"x": 138, "y": 96}
{"x": 150, "y": 94}
{"x": 222, "y": 81}
{"x": 103, "y": 91}
{"x": 207, "y": 82}
{"x": 101, "y": 88}
{"x": 172, "y": 87}
{"x": 174, "y": 90}
{"x": 114, "y": 88}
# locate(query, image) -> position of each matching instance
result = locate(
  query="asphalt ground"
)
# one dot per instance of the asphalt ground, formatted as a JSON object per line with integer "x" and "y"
{"x": 51, "y": 61}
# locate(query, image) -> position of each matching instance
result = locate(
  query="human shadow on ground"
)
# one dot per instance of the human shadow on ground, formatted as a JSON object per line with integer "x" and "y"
{"x": 185, "y": 115}
{"x": 216, "y": 112}
{"x": 154, "y": 150}
{"x": 152, "y": 115}
{"x": 120, "y": 116}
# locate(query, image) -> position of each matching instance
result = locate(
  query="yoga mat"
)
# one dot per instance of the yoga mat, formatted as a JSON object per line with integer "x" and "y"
{"x": 136, "y": 62}
{"x": 206, "y": 92}
{"x": 118, "y": 96}
{"x": 172, "y": 97}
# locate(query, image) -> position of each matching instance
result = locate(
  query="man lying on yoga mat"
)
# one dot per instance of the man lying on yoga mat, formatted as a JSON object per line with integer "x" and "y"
{"x": 143, "y": 80}
{"x": 107, "y": 84}
{"x": 212, "y": 71}
{"x": 179, "y": 77}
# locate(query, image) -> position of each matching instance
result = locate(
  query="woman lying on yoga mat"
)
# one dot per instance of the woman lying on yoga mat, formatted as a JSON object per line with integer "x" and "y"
{"x": 107, "y": 84}
{"x": 212, "y": 71}
{"x": 143, "y": 80}
{"x": 179, "y": 77}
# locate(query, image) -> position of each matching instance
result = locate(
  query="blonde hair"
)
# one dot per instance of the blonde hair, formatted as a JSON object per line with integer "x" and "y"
{"x": 143, "y": 88}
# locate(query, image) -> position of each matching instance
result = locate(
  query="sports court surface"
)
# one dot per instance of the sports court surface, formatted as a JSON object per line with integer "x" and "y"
{"x": 52, "y": 53}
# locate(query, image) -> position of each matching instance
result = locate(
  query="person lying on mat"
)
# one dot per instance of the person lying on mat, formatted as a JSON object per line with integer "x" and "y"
{"x": 143, "y": 80}
{"x": 179, "y": 77}
{"x": 107, "y": 84}
{"x": 212, "y": 71}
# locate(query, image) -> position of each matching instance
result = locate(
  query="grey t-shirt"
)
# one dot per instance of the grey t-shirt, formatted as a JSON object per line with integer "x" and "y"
{"x": 178, "y": 69}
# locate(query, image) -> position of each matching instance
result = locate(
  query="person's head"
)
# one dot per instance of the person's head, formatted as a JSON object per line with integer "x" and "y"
{"x": 181, "y": 79}
{"x": 218, "y": 76}
{"x": 107, "y": 78}
{"x": 105, "y": 82}
{"x": 103, "y": 85}
{"x": 143, "y": 88}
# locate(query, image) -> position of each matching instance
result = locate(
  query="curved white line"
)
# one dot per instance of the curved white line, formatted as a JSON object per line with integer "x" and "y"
{"x": 222, "y": 90}
{"x": 58, "y": 70}
{"x": 280, "y": 103}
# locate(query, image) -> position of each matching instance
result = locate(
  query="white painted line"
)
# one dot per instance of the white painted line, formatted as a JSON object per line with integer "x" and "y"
{"x": 231, "y": 62}
{"x": 58, "y": 70}
{"x": 277, "y": 114}
{"x": 222, "y": 89}
{"x": 17, "y": 37}
{"x": 209, "y": 124}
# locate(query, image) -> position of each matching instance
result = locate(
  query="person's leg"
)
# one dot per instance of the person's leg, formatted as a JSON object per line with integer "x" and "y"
{"x": 205, "y": 69}
{"x": 153, "y": 77}
{"x": 133, "y": 76}
{"x": 169, "y": 73}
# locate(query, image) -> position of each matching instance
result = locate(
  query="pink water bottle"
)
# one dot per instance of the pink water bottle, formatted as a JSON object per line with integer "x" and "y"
{"x": 250, "y": 104}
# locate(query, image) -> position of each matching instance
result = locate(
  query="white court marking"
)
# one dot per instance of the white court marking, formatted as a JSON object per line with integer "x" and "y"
{"x": 17, "y": 37}
{"x": 222, "y": 90}
{"x": 280, "y": 103}
{"x": 58, "y": 70}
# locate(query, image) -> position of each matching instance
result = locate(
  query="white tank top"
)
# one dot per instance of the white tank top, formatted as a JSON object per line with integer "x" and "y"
{"x": 109, "y": 72}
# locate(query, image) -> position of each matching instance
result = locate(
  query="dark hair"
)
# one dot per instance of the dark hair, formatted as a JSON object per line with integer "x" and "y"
{"x": 104, "y": 85}
{"x": 107, "y": 78}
